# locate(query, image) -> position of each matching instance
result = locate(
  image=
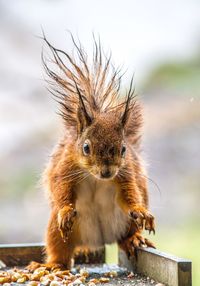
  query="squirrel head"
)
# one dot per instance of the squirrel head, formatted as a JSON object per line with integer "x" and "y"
{"x": 103, "y": 122}
{"x": 102, "y": 146}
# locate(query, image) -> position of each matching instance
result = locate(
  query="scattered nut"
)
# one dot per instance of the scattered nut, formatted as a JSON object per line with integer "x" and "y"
{"x": 32, "y": 283}
{"x": 91, "y": 284}
{"x": 54, "y": 283}
{"x": 94, "y": 280}
{"x": 21, "y": 280}
{"x": 5, "y": 280}
{"x": 77, "y": 282}
{"x": 84, "y": 272}
{"x": 104, "y": 279}
{"x": 111, "y": 274}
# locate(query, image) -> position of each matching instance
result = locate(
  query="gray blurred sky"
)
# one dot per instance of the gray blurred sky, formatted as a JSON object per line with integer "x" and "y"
{"x": 139, "y": 33}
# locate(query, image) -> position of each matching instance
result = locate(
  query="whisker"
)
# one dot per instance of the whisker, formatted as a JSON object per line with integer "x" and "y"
{"x": 72, "y": 175}
{"x": 155, "y": 184}
{"x": 126, "y": 171}
{"x": 83, "y": 178}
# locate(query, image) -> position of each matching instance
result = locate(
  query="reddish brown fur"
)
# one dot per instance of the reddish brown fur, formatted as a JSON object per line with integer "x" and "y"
{"x": 92, "y": 111}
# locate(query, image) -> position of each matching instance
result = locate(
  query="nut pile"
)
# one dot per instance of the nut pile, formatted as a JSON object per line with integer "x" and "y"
{"x": 56, "y": 277}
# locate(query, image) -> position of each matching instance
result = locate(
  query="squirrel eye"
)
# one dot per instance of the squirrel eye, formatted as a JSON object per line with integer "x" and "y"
{"x": 123, "y": 151}
{"x": 86, "y": 149}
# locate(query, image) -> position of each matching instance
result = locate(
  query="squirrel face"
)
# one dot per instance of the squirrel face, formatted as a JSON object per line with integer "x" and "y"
{"x": 102, "y": 149}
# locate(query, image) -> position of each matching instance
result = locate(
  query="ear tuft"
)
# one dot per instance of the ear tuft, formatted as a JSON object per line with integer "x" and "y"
{"x": 84, "y": 120}
{"x": 128, "y": 104}
{"x": 134, "y": 123}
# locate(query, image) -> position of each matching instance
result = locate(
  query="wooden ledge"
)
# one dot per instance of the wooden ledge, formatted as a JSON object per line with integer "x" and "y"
{"x": 165, "y": 268}
{"x": 22, "y": 254}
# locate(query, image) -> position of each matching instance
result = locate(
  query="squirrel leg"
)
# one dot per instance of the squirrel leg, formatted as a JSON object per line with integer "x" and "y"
{"x": 58, "y": 252}
{"x": 141, "y": 219}
{"x": 139, "y": 214}
{"x": 133, "y": 199}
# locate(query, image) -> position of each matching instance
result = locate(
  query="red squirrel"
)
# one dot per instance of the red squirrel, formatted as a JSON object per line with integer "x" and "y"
{"x": 96, "y": 181}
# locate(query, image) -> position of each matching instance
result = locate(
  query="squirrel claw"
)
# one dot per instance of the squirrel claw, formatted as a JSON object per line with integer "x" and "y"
{"x": 143, "y": 219}
{"x": 149, "y": 243}
{"x": 138, "y": 218}
{"x": 136, "y": 241}
{"x": 150, "y": 223}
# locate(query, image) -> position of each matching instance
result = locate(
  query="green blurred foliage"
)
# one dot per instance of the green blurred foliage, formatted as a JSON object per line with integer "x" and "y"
{"x": 16, "y": 185}
{"x": 176, "y": 75}
{"x": 182, "y": 241}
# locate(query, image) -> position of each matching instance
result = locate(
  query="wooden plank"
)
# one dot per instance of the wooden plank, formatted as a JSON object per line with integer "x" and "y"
{"x": 22, "y": 254}
{"x": 164, "y": 268}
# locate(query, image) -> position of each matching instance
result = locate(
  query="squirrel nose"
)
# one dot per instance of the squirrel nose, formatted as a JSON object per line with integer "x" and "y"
{"x": 106, "y": 174}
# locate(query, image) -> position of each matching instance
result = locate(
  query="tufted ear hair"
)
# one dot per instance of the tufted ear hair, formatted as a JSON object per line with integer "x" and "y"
{"x": 131, "y": 116}
{"x": 84, "y": 119}
{"x": 134, "y": 122}
{"x": 128, "y": 105}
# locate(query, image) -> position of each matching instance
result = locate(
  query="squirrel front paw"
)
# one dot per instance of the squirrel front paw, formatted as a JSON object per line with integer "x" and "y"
{"x": 131, "y": 244}
{"x": 66, "y": 217}
{"x": 143, "y": 219}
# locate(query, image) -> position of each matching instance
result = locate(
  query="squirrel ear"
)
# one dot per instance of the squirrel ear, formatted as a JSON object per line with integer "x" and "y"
{"x": 125, "y": 115}
{"x": 84, "y": 120}
{"x": 128, "y": 105}
{"x": 124, "y": 118}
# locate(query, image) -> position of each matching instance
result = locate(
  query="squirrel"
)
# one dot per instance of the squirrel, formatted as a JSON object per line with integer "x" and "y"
{"x": 96, "y": 181}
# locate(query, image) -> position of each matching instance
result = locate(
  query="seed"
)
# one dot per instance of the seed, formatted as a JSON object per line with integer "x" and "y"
{"x": 77, "y": 282}
{"x": 32, "y": 283}
{"x": 94, "y": 280}
{"x": 91, "y": 284}
{"x": 21, "y": 280}
{"x": 111, "y": 274}
{"x": 84, "y": 272}
{"x": 55, "y": 283}
{"x": 104, "y": 279}
{"x": 5, "y": 280}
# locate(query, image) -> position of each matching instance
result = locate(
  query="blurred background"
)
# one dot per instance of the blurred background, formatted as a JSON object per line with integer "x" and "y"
{"x": 157, "y": 40}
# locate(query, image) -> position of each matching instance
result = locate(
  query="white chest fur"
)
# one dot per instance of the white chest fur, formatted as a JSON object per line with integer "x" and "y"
{"x": 99, "y": 216}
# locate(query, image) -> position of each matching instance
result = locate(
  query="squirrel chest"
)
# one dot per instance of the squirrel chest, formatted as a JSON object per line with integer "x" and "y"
{"x": 99, "y": 217}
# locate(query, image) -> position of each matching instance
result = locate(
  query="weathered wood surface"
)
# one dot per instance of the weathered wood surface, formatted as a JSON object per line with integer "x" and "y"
{"x": 22, "y": 254}
{"x": 162, "y": 267}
